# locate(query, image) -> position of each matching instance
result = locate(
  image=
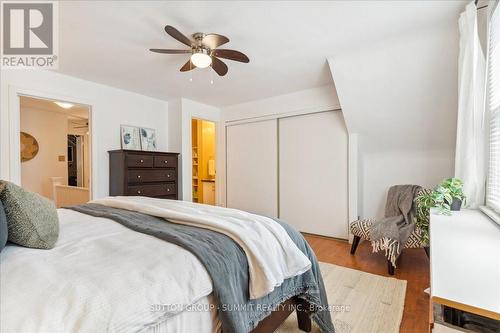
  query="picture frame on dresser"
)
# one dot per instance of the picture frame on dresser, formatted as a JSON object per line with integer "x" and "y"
{"x": 143, "y": 173}
{"x": 130, "y": 137}
{"x": 148, "y": 139}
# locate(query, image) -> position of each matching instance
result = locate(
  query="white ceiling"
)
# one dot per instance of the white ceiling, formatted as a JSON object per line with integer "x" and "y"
{"x": 287, "y": 42}
{"x": 77, "y": 111}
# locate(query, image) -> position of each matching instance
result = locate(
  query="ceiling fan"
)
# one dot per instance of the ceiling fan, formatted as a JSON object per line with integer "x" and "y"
{"x": 204, "y": 51}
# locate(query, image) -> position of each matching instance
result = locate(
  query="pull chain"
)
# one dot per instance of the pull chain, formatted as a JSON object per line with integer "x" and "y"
{"x": 190, "y": 71}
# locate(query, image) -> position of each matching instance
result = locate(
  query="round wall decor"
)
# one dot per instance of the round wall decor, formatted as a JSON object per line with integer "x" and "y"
{"x": 29, "y": 147}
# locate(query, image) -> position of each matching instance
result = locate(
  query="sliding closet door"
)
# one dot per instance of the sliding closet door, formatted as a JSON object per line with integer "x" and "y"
{"x": 313, "y": 173}
{"x": 252, "y": 167}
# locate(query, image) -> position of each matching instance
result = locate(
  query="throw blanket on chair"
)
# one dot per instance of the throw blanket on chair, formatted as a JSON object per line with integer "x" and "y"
{"x": 391, "y": 233}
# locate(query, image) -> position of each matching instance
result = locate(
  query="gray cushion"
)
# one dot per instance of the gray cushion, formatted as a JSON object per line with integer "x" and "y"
{"x": 3, "y": 227}
{"x": 32, "y": 219}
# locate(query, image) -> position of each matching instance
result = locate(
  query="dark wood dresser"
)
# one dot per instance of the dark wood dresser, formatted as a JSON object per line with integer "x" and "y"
{"x": 143, "y": 173}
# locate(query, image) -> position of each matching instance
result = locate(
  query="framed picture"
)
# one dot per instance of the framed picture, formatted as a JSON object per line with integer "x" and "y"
{"x": 130, "y": 137}
{"x": 148, "y": 139}
{"x": 29, "y": 147}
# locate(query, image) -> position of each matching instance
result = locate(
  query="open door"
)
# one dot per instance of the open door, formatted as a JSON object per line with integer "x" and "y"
{"x": 203, "y": 156}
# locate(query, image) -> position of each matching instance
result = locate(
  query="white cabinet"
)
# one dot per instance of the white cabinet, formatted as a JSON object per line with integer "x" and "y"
{"x": 252, "y": 167}
{"x": 313, "y": 173}
{"x": 208, "y": 192}
{"x": 464, "y": 262}
{"x": 294, "y": 168}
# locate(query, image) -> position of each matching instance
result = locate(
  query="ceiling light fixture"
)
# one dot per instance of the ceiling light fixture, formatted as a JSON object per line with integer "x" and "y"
{"x": 201, "y": 59}
{"x": 204, "y": 51}
{"x": 64, "y": 105}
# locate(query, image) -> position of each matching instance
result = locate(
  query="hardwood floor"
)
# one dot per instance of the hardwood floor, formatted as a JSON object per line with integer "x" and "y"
{"x": 412, "y": 266}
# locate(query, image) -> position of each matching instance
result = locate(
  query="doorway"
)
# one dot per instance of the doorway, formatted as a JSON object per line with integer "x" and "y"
{"x": 203, "y": 161}
{"x": 55, "y": 150}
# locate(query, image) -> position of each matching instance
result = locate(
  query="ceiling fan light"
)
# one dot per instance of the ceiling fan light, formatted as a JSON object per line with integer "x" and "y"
{"x": 201, "y": 60}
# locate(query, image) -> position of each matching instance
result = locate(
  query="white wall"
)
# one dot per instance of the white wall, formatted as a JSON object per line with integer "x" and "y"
{"x": 316, "y": 99}
{"x": 399, "y": 95}
{"x": 175, "y": 125}
{"x": 380, "y": 170}
{"x": 181, "y": 111}
{"x": 50, "y": 129}
{"x": 110, "y": 108}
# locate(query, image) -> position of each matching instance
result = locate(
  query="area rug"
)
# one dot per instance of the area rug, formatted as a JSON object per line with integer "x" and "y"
{"x": 360, "y": 302}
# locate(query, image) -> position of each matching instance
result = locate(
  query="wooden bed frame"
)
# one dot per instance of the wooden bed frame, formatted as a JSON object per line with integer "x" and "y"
{"x": 277, "y": 317}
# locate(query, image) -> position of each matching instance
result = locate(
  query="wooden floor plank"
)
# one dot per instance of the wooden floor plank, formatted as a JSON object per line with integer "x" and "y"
{"x": 412, "y": 266}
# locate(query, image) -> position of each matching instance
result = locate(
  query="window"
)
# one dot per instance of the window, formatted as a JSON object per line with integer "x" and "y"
{"x": 493, "y": 186}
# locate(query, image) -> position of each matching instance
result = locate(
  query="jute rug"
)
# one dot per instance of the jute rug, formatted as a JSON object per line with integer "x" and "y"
{"x": 360, "y": 302}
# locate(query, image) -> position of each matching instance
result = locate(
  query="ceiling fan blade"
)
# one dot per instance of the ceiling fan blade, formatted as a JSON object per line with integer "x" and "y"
{"x": 177, "y": 35}
{"x": 170, "y": 51}
{"x": 218, "y": 66}
{"x": 188, "y": 66}
{"x": 231, "y": 55}
{"x": 214, "y": 40}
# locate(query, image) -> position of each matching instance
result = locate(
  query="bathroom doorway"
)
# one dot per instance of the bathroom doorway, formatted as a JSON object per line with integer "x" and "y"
{"x": 203, "y": 161}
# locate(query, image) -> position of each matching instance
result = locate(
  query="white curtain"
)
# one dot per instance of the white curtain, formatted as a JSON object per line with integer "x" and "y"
{"x": 470, "y": 157}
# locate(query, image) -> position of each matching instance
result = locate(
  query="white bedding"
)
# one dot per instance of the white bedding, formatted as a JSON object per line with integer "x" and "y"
{"x": 101, "y": 277}
{"x": 191, "y": 321}
{"x": 269, "y": 265}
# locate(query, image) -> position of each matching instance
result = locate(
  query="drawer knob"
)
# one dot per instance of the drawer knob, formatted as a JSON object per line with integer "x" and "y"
{"x": 168, "y": 176}
{"x": 168, "y": 190}
{"x": 138, "y": 192}
{"x": 142, "y": 161}
{"x": 139, "y": 176}
{"x": 165, "y": 161}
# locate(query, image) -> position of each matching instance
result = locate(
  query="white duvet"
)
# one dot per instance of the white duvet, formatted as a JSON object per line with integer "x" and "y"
{"x": 100, "y": 277}
{"x": 272, "y": 255}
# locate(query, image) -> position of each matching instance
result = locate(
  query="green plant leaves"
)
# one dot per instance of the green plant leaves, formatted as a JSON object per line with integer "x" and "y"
{"x": 424, "y": 202}
{"x": 440, "y": 197}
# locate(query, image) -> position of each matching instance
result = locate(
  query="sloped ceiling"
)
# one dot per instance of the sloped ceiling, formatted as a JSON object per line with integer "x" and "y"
{"x": 400, "y": 93}
{"x": 288, "y": 42}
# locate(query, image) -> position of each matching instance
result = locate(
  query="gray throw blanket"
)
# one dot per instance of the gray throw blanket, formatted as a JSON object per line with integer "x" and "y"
{"x": 227, "y": 265}
{"x": 391, "y": 233}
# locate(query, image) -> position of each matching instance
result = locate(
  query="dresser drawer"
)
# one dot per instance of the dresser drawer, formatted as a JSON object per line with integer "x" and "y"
{"x": 164, "y": 161}
{"x": 170, "y": 196}
{"x": 153, "y": 190}
{"x": 138, "y": 161}
{"x": 144, "y": 176}
{"x": 143, "y": 173}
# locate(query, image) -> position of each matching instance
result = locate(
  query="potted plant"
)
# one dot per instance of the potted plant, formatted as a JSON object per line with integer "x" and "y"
{"x": 442, "y": 199}
{"x": 454, "y": 187}
{"x": 424, "y": 202}
{"x": 446, "y": 196}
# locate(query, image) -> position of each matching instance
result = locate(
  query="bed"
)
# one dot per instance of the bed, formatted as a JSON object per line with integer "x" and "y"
{"x": 103, "y": 276}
